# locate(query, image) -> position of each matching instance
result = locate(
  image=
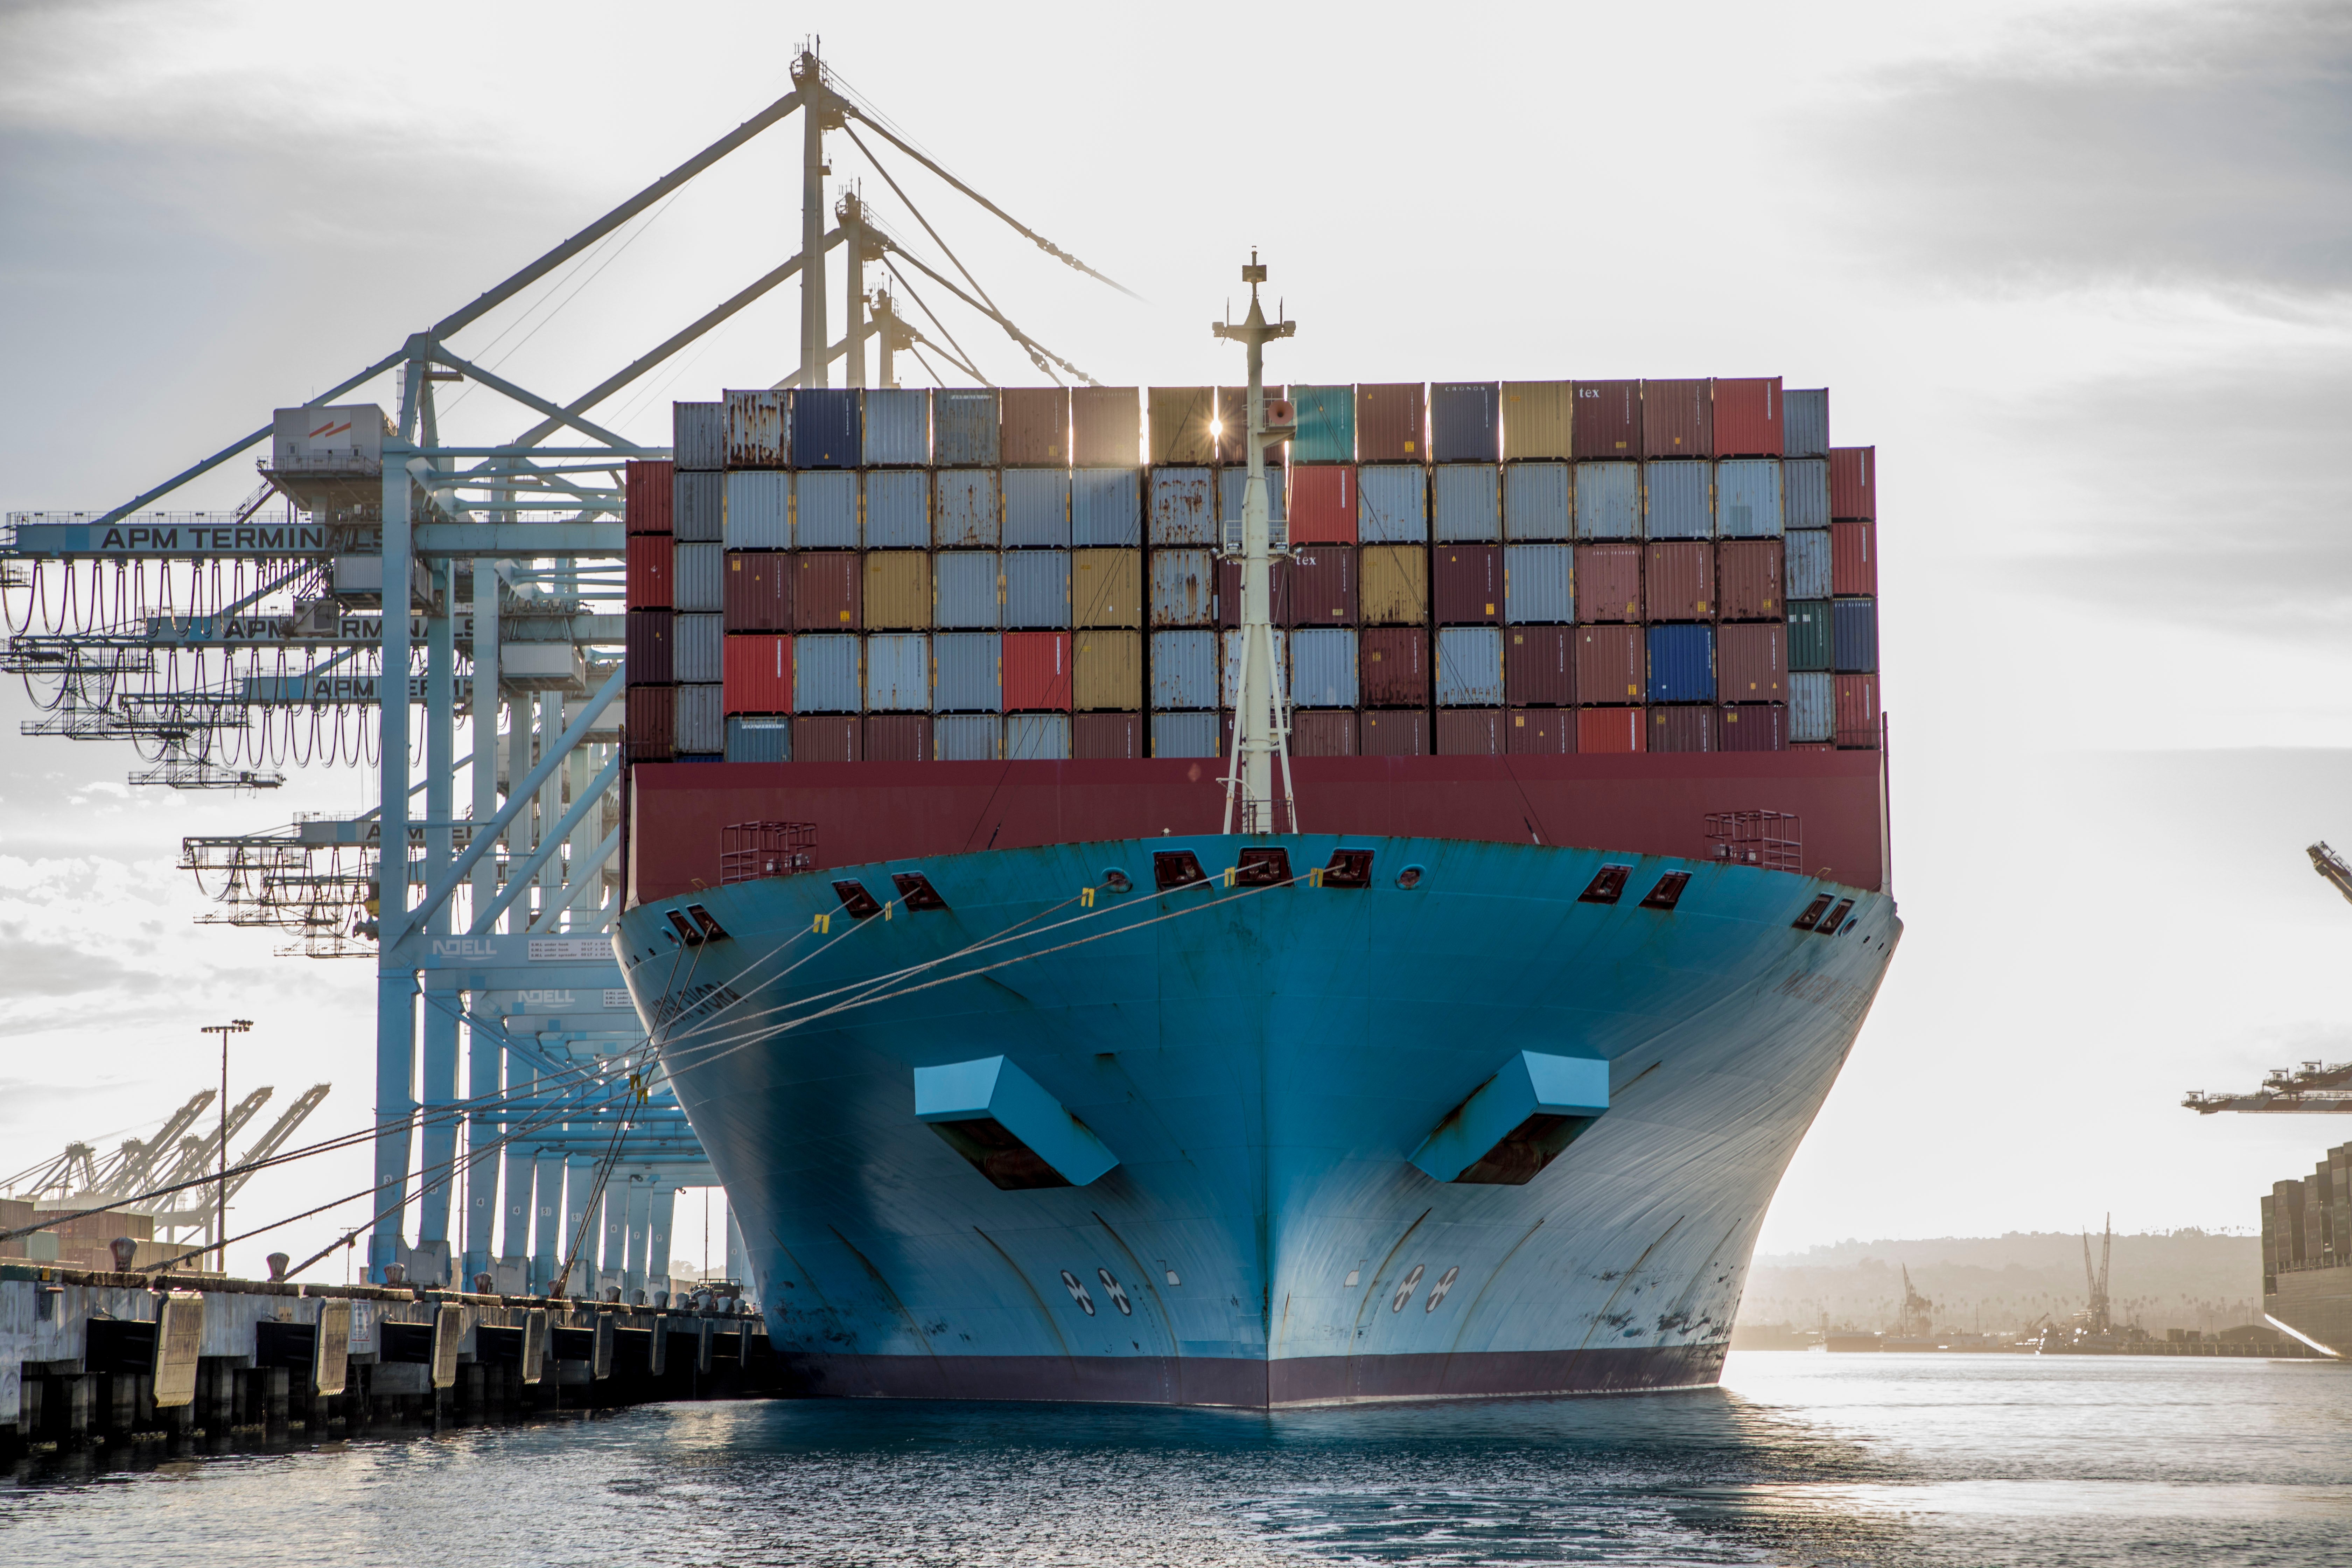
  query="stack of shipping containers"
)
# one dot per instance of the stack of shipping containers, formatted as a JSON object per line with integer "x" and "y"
{"x": 2307, "y": 1224}
{"x": 1474, "y": 568}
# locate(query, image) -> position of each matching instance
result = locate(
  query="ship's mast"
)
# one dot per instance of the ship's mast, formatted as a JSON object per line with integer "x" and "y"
{"x": 1260, "y": 720}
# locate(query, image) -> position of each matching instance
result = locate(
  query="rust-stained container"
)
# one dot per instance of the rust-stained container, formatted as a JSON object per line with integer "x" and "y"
{"x": 1854, "y": 481}
{"x": 895, "y": 738}
{"x": 1465, "y": 422}
{"x": 759, "y": 591}
{"x": 1183, "y": 588}
{"x": 1854, "y": 558}
{"x": 1393, "y": 583}
{"x": 1389, "y": 424}
{"x": 1537, "y": 420}
{"x": 1180, "y": 417}
{"x": 1107, "y": 670}
{"x": 1540, "y": 667}
{"x": 1607, "y": 420}
{"x": 896, "y": 595}
{"x": 1395, "y": 667}
{"x": 1323, "y": 587}
{"x": 1323, "y": 504}
{"x": 1805, "y": 422}
{"x": 825, "y": 584}
{"x": 963, "y": 422}
{"x": 1392, "y": 732}
{"x": 1682, "y": 729}
{"x": 647, "y": 577}
{"x": 1233, "y": 426}
{"x": 1748, "y": 585}
{"x": 1608, "y": 582}
{"x": 1751, "y": 662}
{"x": 827, "y": 738}
{"x": 759, "y": 673}
{"x": 1035, "y": 426}
{"x": 1184, "y": 508}
{"x": 648, "y": 649}
{"x": 1612, "y": 664}
{"x": 652, "y": 719}
{"x": 1858, "y": 712}
{"x": 646, "y": 496}
{"x": 1106, "y": 737}
{"x": 759, "y": 429}
{"x": 1752, "y": 727}
{"x": 1107, "y": 588}
{"x": 1036, "y": 667}
{"x": 1606, "y": 730}
{"x": 1470, "y": 731}
{"x": 1677, "y": 419}
{"x": 1228, "y": 593}
{"x": 1748, "y": 414}
{"x": 1323, "y": 732}
{"x": 1678, "y": 580}
{"x": 1806, "y": 572}
{"x": 1466, "y": 585}
{"x": 1106, "y": 426}
{"x": 971, "y": 510}
{"x": 1540, "y": 732}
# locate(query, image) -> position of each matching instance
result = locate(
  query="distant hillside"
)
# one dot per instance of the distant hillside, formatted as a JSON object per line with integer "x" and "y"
{"x": 2182, "y": 1278}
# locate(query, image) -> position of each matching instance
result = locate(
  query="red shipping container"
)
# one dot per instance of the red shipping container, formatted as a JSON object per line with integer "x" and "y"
{"x": 1322, "y": 588}
{"x": 827, "y": 591}
{"x": 648, "y": 570}
{"x": 1393, "y": 667}
{"x": 1540, "y": 667}
{"x": 1747, "y": 584}
{"x": 1854, "y": 481}
{"x": 1466, "y": 585}
{"x": 652, "y": 724}
{"x": 1753, "y": 727}
{"x": 1813, "y": 745}
{"x": 1036, "y": 667}
{"x": 759, "y": 591}
{"x": 1609, "y": 730}
{"x": 827, "y": 738}
{"x": 1853, "y": 559}
{"x": 1394, "y": 732}
{"x": 1323, "y": 504}
{"x": 1389, "y": 424}
{"x": 1748, "y": 416}
{"x": 757, "y": 674}
{"x": 1323, "y": 732}
{"x": 1678, "y": 580}
{"x": 1540, "y": 732}
{"x": 1682, "y": 729}
{"x": 1113, "y": 737}
{"x": 645, "y": 496}
{"x": 895, "y": 738}
{"x": 1277, "y": 592}
{"x": 1608, "y": 582}
{"x": 1612, "y": 665}
{"x": 1470, "y": 731}
{"x": 1106, "y": 429}
{"x": 648, "y": 647}
{"x": 1751, "y": 662}
{"x": 1035, "y": 428}
{"x": 1233, "y": 428}
{"x": 1858, "y": 712}
{"x": 1677, "y": 419}
{"x": 1608, "y": 419}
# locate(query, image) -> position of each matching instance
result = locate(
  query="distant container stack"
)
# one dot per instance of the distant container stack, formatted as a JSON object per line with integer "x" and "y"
{"x": 2307, "y": 1252}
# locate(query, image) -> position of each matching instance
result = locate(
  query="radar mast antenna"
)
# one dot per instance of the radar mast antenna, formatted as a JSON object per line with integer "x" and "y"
{"x": 1260, "y": 711}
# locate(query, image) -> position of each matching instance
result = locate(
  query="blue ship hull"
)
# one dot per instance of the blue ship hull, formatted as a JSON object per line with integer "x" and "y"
{"x": 1263, "y": 1063}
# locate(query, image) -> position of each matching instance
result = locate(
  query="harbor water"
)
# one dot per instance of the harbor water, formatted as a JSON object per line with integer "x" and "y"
{"x": 1797, "y": 1458}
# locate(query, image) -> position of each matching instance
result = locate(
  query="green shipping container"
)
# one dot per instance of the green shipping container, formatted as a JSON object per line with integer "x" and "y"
{"x": 1809, "y": 634}
{"x": 1327, "y": 425}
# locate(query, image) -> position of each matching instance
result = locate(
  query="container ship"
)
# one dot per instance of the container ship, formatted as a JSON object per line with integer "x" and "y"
{"x": 2307, "y": 1252}
{"x": 1254, "y": 897}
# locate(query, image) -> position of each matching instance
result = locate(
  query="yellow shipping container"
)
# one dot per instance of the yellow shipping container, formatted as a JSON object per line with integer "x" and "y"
{"x": 897, "y": 590}
{"x": 1107, "y": 588}
{"x": 1106, "y": 671}
{"x": 1535, "y": 416}
{"x": 1180, "y": 424}
{"x": 1394, "y": 582}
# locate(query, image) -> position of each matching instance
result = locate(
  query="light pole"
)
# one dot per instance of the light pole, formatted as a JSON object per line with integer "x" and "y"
{"x": 220, "y": 1219}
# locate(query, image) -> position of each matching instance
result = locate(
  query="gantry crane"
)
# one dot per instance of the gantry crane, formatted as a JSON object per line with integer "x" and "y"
{"x": 2314, "y": 1087}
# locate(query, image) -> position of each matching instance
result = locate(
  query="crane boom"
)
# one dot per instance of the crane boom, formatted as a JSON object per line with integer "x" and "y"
{"x": 2331, "y": 866}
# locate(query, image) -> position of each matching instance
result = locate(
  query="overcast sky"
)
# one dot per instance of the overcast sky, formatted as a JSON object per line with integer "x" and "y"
{"x": 2083, "y": 274}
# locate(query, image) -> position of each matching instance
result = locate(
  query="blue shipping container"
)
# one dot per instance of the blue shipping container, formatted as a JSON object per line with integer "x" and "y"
{"x": 1470, "y": 666}
{"x": 1392, "y": 504}
{"x": 1183, "y": 512}
{"x": 1854, "y": 635}
{"x": 1036, "y": 589}
{"x": 967, "y": 738}
{"x": 1805, "y": 489}
{"x": 1807, "y": 558}
{"x": 1327, "y": 425}
{"x": 697, "y": 507}
{"x": 1747, "y": 499}
{"x": 964, "y": 424}
{"x": 1183, "y": 735}
{"x": 702, "y": 720}
{"x": 1230, "y": 691}
{"x": 1812, "y": 706}
{"x": 899, "y": 509}
{"x": 697, "y": 435}
{"x": 1233, "y": 481}
{"x": 824, "y": 509}
{"x": 1608, "y": 501}
{"x": 759, "y": 510}
{"x": 1805, "y": 422}
{"x": 1106, "y": 508}
{"x": 1539, "y": 501}
{"x": 697, "y": 649}
{"x": 1323, "y": 668}
{"x": 1681, "y": 664}
{"x": 824, "y": 427}
{"x": 759, "y": 739}
{"x": 1538, "y": 584}
{"x": 1462, "y": 427}
{"x": 899, "y": 672}
{"x": 1183, "y": 669}
{"x": 1465, "y": 502}
{"x": 698, "y": 579}
{"x": 898, "y": 426}
{"x": 826, "y": 674}
{"x": 966, "y": 590}
{"x": 1036, "y": 737}
{"x": 969, "y": 515}
{"x": 1183, "y": 589}
{"x": 1036, "y": 509}
{"x": 1675, "y": 504}
{"x": 968, "y": 673}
